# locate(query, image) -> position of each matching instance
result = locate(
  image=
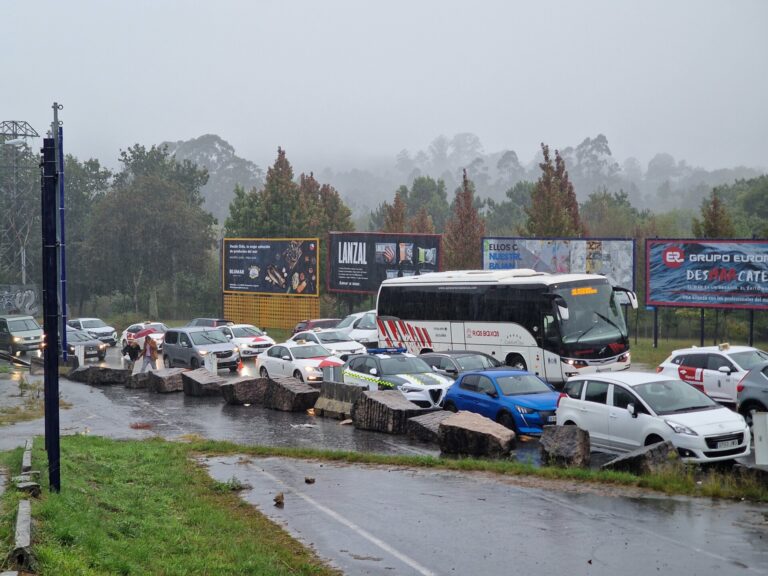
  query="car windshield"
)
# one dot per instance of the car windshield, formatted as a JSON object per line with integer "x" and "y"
{"x": 157, "y": 326}
{"x": 593, "y": 314}
{"x": 749, "y": 359}
{"x": 333, "y": 337}
{"x": 93, "y": 324}
{"x": 73, "y": 336}
{"x": 23, "y": 324}
{"x": 367, "y": 322}
{"x": 673, "y": 397}
{"x": 311, "y": 351}
{"x": 521, "y": 384}
{"x": 476, "y": 362}
{"x": 246, "y": 331}
{"x": 208, "y": 337}
{"x": 403, "y": 365}
{"x": 347, "y": 321}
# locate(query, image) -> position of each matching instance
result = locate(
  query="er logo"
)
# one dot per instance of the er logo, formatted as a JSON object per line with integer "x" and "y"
{"x": 673, "y": 257}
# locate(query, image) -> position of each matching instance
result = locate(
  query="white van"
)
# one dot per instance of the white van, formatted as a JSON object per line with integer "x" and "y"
{"x": 361, "y": 326}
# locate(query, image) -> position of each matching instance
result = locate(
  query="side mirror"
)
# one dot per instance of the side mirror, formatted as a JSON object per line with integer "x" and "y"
{"x": 373, "y": 371}
{"x": 451, "y": 371}
{"x": 631, "y": 296}
{"x": 631, "y": 410}
{"x": 229, "y": 336}
{"x": 724, "y": 370}
{"x": 286, "y": 357}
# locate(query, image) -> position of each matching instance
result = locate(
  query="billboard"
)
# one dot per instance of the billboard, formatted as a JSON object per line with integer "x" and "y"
{"x": 358, "y": 262}
{"x": 707, "y": 273}
{"x": 271, "y": 266}
{"x": 611, "y": 257}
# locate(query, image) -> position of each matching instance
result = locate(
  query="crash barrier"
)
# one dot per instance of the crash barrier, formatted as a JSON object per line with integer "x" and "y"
{"x": 270, "y": 310}
{"x": 566, "y": 446}
{"x": 100, "y": 375}
{"x": 426, "y": 426}
{"x": 165, "y": 380}
{"x": 21, "y": 555}
{"x": 290, "y": 395}
{"x": 26, "y": 459}
{"x": 471, "y": 434}
{"x": 654, "y": 459}
{"x": 201, "y": 382}
{"x": 384, "y": 411}
{"x": 336, "y": 399}
{"x": 13, "y": 359}
{"x": 245, "y": 390}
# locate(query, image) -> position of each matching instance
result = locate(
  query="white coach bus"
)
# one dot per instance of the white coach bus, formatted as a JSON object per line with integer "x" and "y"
{"x": 555, "y": 325}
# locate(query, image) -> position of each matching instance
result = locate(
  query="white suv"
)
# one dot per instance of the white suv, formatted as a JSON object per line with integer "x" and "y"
{"x": 361, "y": 326}
{"x": 715, "y": 370}
{"x": 623, "y": 411}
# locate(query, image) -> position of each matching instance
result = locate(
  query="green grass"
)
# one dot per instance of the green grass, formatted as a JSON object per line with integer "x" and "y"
{"x": 136, "y": 508}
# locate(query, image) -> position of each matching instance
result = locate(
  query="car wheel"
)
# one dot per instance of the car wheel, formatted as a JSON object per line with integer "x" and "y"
{"x": 298, "y": 376}
{"x": 506, "y": 420}
{"x": 516, "y": 362}
{"x": 450, "y": 406}
{"x": 263, "y": 372}
{"x": 166, "y": 361}
{"x": 123, "y": 344}
{"x": 653, "y": 439}
{"x": 194, "y": 363}
{"x": 748, "y": 410}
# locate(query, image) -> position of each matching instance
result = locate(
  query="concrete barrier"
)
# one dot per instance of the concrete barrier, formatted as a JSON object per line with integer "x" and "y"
{"x": 21, "y": 555}
{"x": 336, "y": 399}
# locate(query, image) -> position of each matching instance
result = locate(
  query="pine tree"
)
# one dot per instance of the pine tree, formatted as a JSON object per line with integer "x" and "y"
{"x": 554, "y": 210}
{"x": 395, "y": 218}
{"x": 422, "y": 222}
{"x": 715, "y": 220}
{"x": 279, "y": 200}
{"x": 464, "y": 230}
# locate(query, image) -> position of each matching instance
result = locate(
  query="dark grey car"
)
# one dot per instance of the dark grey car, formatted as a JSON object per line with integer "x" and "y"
{"x": 188, "y": 346}
{"x": 752, "y": 392}
{"x": 452, "y": 362}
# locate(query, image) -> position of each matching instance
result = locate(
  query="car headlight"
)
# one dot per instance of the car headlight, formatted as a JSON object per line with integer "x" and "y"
{"x": 313, "y": 369}
{"x": 17, "y": 339}
{"x": 102, "y": 346}
{"x": 523, "y": 410}
{"x": 408, "y": 388}
{"x": 680, "y": 429}
{"x": 203, "y": 352}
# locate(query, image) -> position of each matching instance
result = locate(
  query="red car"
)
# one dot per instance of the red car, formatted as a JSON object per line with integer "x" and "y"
{"x": 316, "y": 323}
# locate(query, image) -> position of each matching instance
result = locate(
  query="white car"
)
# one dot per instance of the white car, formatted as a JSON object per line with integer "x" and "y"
{"x": 715, "y": 370}
{"x": 96, "y": 328}
{"x": 302, "y": 361}
{"x": 625, "y": 411}
{"x": 251, "y": 340}
{"x": 361, "y": 326}
{"x": 335, "y": 340}
{"x": 397, "y": 370}
{"x": 129, "y": 334}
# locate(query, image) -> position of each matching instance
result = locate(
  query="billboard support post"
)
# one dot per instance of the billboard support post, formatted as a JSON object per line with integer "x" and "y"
{"x": 751, "y": 327}
{"x": 701, "y": 327}
{"x": 655, "y": 327}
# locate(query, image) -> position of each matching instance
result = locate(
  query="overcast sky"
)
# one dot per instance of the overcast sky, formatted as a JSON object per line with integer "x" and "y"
{"x": 331, "y": 80}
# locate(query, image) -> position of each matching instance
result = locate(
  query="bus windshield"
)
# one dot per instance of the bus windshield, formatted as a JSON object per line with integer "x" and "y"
{"x": 594, "y": 316}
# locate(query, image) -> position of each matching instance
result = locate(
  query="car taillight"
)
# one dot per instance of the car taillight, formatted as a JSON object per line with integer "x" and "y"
{"x": 740, "y": 385}
{"x": 659, "y": 369}
{"x": 562, "y": 395}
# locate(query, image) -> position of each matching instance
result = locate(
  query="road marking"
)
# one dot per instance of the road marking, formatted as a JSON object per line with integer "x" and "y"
{"x": 405, "y": 559}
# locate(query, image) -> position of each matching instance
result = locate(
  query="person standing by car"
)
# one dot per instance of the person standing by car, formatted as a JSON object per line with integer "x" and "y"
{"x": 132, "y": 350}
{"x": 149, "y": 354}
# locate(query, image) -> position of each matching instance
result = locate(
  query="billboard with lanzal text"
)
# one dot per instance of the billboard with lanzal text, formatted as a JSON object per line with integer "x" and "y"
{"x": 707, "y": 273}
{"x": 271, "y": 266}
{"x": 610, "y": 257}
{"x": 358, "y": 262}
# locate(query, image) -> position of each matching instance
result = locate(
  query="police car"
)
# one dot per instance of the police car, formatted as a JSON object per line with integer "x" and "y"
{"x": 395, "y": 369}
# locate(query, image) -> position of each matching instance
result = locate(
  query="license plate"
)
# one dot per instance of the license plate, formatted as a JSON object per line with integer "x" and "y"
{"x": 603, "y": 370}
{"x": 727, "y": 444}
{"x": 551, "y": 418}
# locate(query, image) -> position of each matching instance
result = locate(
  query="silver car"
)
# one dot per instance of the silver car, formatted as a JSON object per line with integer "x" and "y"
{"x": 187, "y": 347}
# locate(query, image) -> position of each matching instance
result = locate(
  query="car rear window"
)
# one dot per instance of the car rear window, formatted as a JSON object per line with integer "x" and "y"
{"x": 751, "y": 358}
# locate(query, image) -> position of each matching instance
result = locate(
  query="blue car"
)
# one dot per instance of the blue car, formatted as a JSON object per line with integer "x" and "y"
{"x": 516, "y": 399}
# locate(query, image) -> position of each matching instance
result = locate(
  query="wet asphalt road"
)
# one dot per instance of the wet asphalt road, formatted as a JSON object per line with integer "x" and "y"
{"x": 383, "y": 520}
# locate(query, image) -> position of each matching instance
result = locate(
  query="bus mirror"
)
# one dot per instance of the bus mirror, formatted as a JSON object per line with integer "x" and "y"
{"x": 562, "y": 308}
{"x": 631, "y": 296}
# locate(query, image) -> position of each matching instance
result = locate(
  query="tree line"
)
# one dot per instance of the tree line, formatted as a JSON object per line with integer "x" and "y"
{"x": 141, "y": 239}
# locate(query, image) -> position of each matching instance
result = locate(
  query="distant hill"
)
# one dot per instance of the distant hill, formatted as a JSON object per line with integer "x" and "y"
{"x": 225, "y": 170}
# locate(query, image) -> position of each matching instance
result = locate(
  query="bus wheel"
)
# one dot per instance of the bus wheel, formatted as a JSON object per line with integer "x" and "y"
{"x": 516, "y": 362}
